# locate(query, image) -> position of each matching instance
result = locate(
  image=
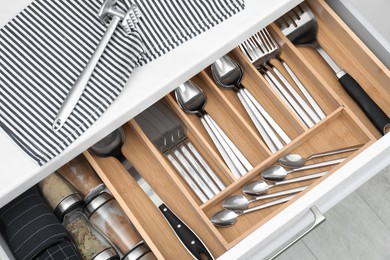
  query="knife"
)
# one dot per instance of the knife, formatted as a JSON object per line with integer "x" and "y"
{"x": 186, "y": 236}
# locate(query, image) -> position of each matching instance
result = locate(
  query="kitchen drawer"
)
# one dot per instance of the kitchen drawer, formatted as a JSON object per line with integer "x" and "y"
{"x": 259, "y": 234}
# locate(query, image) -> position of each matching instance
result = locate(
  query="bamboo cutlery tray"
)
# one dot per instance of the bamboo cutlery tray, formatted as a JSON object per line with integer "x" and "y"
{"x": 344, "y": 125}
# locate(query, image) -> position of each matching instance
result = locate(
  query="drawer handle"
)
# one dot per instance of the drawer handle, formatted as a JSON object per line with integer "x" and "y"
{"x": 318, "y": 219}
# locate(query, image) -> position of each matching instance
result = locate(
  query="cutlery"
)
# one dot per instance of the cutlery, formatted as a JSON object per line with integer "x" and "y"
{"x": 300, "y": 27}
{"x": 228, "y": 217}
{"x": 112, "y": 146}
{"x": 227, "y": 73}
{"x": 256, "y": 51}
{"x": 176, "y": 145}
{"x": 240, "y": 202}
{"x": 107, "y": 10}
{"x": 191, "y": 99}
{"x": 260, "y": 187}
{"x": 278, "y": 173}
{"x": 296, "y": 160}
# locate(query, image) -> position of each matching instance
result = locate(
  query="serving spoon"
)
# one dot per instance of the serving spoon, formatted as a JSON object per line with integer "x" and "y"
{"x": 228, "y": 74}
{"x": 296, "y": 160}
{"x": 191, "y": 99}
{"x": 278, "y": 173}
{"x": 240, "y": 202}
{"x": 228, "y": 217}
{"x": 260, "y": 187}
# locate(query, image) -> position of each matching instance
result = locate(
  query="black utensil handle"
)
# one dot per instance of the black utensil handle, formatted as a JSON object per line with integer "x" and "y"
{"x": 380, "y": 120}
{"x": 187, "y": 237}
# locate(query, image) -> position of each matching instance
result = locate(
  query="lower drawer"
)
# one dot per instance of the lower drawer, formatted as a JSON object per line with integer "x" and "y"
{"x": 344, "y": 125}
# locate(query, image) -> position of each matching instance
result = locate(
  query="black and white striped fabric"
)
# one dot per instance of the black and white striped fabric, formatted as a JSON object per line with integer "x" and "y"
{"x": 64, "y": 250}
{"x": 46, "y": 47}
{"x": 30, "y": 227}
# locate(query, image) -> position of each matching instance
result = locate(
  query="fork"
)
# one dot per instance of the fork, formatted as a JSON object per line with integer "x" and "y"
{"x": 259, "y": 50}
{"x": 300, "y": 27}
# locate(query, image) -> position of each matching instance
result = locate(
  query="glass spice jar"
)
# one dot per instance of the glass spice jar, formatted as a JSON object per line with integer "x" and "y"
{"x": 60, "y": 194}
{"x": 89, "y": 241}
{"x": 107, "y": 215}
{"x": 81, "y": 175}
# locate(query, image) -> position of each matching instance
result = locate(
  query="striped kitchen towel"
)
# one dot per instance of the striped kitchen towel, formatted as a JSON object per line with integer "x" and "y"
{"x": 46, "y": 47}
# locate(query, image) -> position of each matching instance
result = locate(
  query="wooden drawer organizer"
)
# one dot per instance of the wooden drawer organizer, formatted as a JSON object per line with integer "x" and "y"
{"x": 344, "y": 125}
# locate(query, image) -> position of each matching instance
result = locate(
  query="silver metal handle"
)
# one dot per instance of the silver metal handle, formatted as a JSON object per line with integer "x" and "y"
{"x": 336, "y": 151}
{"x": 278, "y": 194}
{"x": 77, "y": 89}
{"x": 297, "y": 97}
{"x": 307, "y": 95}
{"x": 268, "y": 117}
{"x": 318, "y": 219}
{"x": 227, "y": 155}
{"x": 317, "y": 165}
{"x": 262, "y": 126}
{"x": 283, "y": 93}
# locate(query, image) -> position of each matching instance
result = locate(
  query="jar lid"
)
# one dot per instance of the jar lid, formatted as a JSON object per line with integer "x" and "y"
{"x": 107, "y": 254}
{"x": 68, "y": 204}
{"x": 138, "y": 252}
{"x": 96, "y": 203}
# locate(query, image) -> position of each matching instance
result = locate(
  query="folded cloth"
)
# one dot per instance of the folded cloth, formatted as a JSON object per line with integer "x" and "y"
{"x": 30, "y": 226}
{"x": 46, "y": 47}
{"x": 64, "y": 250}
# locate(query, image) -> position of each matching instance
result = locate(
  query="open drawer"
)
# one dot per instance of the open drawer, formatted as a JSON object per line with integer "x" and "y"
{"x": 260, "y": 233}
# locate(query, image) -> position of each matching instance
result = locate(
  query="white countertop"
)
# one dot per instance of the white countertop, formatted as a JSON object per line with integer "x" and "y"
{"x": 147, "y": 84}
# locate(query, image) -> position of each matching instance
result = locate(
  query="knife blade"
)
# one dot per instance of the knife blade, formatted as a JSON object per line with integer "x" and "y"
{"x": 185, "y": 234}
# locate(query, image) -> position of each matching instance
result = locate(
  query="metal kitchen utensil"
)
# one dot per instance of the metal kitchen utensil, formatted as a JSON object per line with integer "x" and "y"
{"x": 260, "y": 187}
{"x": 227, "y": 73}
{"x": 296, "y": 160}
{"x": 269, "y": 42}
{"x": 111, "y": 145}
{"x": 107, "y": 10}
{"x": 278, "y": 173}
{"x": 191, "y": 99}
{"x": 256, "y": 51}
{"x": 300, "y": 27}
{"x": 240, "y": 202}
{"x": 228, "y": 217}
{"x": 175, "y": 145}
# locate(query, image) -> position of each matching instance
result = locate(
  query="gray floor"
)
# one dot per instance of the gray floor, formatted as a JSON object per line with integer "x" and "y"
{"x": 356, "y": 228}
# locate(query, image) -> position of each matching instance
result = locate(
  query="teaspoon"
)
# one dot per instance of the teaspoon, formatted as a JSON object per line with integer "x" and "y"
{"x": 240, "y": 202}
{"x": 228, "y": 217}
{"x": 260, "y": 187}
{"x": 278, "y": 173}
{"x": 296, "y": 160}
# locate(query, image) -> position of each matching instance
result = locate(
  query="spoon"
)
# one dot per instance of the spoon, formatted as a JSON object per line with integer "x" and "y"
{"x": 296, "y": 160}
{"x": 278, "y": 173}
{"x": 260, "y": 187}
{"x": 228, "y": 217}
{"x": 227, "y": 73}
{"x": 192, "y": 99}
{"x": 240, "y": 202}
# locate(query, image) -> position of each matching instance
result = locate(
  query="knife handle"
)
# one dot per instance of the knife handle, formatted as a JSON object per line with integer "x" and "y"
{"x": 380, "y": 120}
{"x": 186, "y": 236}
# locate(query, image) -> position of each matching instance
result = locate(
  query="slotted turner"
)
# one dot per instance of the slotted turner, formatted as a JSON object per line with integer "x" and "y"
{"x": 300, "y": 27}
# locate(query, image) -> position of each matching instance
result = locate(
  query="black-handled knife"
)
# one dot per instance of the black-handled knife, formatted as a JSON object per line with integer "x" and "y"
{"x": 187, "y": 237}
{"x": 380, "y": 120}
